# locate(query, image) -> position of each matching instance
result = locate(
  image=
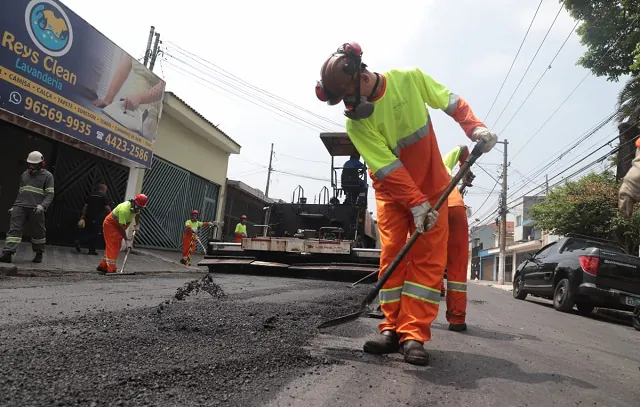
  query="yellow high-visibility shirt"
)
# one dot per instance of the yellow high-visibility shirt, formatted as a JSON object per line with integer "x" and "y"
{"x": 124, "y": 214}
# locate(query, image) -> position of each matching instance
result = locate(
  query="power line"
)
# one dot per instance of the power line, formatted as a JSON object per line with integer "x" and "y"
{"x": 563, "y": 153}
{"x": 217, "y": 69}
{"x": 181, "y": 70}
{"x": 574, "y": 89}
{"x": 564, "y": 179}
{"x": 514, "y": 61}
{"x": 539, "y": 80}
{"x": 530, "y": 63}
{"x": 253, "y": 96}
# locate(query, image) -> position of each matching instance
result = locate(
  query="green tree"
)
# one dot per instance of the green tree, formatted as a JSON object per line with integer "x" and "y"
{"x": 628, "y": 103}
{"x": 588, "y": 207}
{"x": 610, "y": 31}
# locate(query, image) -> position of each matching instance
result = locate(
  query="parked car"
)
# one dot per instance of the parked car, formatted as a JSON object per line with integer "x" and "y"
{"x": 583, "y": 271}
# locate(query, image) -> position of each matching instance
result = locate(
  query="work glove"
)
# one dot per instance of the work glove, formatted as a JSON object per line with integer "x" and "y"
{"x": 136, "y": 228}
{"x": 468, "y": 178}
{"x": 81, "y": 223}
{"x": 629, "y": 192}
{"x": 482, "y": 133}
{"x": 423, "y": 217}
{"x": 39, "y": 210}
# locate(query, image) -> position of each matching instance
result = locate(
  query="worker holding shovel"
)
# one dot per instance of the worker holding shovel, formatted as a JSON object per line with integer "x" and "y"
{"x": 389, "y": 124}
{"x": 190, "y": 235}
{"x": 114, "y": 229}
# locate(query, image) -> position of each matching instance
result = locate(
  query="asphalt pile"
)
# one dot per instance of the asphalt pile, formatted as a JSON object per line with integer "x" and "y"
{"x": 214, "y": 350}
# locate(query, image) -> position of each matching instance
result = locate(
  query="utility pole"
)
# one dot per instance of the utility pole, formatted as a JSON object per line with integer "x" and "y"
{"x": 503, "y": 215}
{"x": 546, "y": 182}
{"x": 155, "y": 51}
{"x": 266, "y": 190}
{"x": 147, "y": 53}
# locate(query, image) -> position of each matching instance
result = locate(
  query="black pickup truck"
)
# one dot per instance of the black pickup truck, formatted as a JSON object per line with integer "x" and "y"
{"x": 581, "y": 271}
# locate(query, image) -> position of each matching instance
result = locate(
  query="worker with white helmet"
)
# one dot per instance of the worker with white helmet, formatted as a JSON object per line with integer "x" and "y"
{"x": 34, "y": 198}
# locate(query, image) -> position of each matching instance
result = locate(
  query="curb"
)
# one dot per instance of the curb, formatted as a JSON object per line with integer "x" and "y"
{"x": 31, "y": 272}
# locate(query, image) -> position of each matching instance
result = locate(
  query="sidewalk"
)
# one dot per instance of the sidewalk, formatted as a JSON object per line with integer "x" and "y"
{"x": 505, "y": 287}
{"x": 66, "y": 260}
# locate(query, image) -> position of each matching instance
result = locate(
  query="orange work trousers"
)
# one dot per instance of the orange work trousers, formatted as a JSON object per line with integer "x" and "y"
{"x": 187, "y": 246}
{"x": 457, "y": 259}
{"x": 113, "y": 243}
{"x": 410, "y": 298}
{"x": 238, "y": 237}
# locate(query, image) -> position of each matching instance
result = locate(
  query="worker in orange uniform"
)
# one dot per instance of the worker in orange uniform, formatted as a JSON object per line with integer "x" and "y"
{"x": 114, "y": 229}
{"x": 190, "y": 234}
{"x": 241, "y": 229}
{"x": 457, "y": 248}
{"x": 389, "y": 124}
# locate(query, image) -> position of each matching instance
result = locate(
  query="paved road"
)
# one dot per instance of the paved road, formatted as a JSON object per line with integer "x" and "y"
{"x": 85, "y": 340}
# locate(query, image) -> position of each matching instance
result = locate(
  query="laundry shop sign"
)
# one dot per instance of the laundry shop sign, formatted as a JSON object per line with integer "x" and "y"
{"x": 60, "y": 72}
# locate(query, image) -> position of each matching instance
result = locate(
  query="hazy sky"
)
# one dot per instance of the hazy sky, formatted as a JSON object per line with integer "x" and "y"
{"x": 279, "y": 46}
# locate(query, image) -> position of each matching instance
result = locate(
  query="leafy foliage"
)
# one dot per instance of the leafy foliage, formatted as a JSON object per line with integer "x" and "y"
{"x": 588, "y": 207}
{"x": 628, "y": 103}
{"x": 610, "y": 30}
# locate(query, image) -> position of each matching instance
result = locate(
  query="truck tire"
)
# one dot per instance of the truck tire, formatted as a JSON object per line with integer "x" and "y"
{"x": 563, "y": 297}
{"x": 584, "y": 308}
{"x": 518, "y": 292}
{"x": 635, "y": 320}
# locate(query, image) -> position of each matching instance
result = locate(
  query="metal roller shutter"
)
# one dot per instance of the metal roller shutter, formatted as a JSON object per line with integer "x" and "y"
{"x": 173, "y": 192}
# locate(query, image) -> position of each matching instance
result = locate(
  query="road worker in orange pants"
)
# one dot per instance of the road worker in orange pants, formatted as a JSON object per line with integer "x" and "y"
{"x": 457, "y": 248}
{"x": 114, "y": 229}
{"x": 390, "y": 126}
{"x": 190, "y": 234}
{"x": 241, "y": 229}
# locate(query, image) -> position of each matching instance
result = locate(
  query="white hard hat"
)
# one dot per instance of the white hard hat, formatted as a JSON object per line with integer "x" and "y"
{"x": 35, "y": 157}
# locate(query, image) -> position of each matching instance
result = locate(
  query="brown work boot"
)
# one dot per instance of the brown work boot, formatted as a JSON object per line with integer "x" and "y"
{"x": 6, "y": 257}
{"x": 387, "y": 342}
{"x": 458, "y": 327}
{"x": 414, "y": 353}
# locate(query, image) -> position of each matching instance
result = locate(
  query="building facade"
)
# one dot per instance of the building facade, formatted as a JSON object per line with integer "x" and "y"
{"x": 188, "y": 172}
{"x": 525, "y": 238}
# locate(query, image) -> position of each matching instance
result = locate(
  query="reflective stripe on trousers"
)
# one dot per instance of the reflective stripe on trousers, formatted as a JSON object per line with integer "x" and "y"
{"x": 20, "y": 216}
{"x": 457, "y": 259}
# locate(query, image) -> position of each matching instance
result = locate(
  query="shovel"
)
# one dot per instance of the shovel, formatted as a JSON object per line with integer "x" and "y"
{"x": 126, "y": 256}
{"x": 364, "y": 305}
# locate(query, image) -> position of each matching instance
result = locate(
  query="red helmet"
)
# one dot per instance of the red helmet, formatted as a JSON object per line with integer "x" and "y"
{"x": 338, "y": 73}
{"x": 141, "y": 200}
{"x": 195, "y": 212}
{"x": 243, "y": 217}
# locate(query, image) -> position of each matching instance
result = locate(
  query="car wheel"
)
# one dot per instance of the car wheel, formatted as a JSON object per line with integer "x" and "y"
{"x": 635, "y": 320}
{"x": 563, "y": 296}
{"x": 584, "y": 308}
{"x": 518, "y": 292}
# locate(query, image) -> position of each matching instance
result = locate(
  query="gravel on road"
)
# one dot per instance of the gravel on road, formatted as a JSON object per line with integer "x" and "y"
{"x": 211, "y": 351}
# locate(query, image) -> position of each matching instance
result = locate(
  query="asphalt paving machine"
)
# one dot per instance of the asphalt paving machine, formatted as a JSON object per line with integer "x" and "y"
{"x": 329, "y": 234}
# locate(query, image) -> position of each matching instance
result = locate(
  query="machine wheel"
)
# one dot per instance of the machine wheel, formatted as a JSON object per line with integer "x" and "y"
{"x": 563, "y": 299}
{"x": 584, "y": 308}
{"x": 519, "y": 293}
